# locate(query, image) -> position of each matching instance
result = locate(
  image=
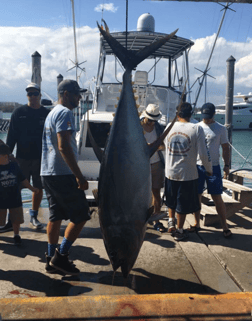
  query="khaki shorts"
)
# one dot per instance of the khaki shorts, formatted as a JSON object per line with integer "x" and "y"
{"x": 15, "y": 214}
{"x": 158, "y": 175}
{"x": 31, "y": 169}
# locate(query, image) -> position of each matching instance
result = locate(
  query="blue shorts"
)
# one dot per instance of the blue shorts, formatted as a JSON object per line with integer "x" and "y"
{"x": 182, "y": 196}
{"x": 66, "y": 201}
{"x": 214, "y": 183}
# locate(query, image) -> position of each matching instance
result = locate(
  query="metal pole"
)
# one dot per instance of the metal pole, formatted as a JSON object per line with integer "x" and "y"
{"x": 126, "y": 24}
{"x": 75, "y": 44}
{"x": 229, "y": 100}
{"x": 36, "y": 68}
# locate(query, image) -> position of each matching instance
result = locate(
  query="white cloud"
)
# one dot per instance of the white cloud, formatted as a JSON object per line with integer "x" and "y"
{"x": 106, "y": 7}
{"x": 56, "y": 47}
{"x": 224, "y": 49}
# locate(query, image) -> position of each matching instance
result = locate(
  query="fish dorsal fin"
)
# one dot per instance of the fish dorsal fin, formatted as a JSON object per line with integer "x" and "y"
{"x": 97, "y": 150}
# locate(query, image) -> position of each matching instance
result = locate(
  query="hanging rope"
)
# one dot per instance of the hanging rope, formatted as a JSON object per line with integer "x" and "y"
{"x": 241, "y": 155}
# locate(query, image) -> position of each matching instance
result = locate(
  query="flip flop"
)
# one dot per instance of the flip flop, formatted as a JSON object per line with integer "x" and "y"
{"x": 227, "y": 233}
{"x": 160, "y": 227}
{"x": 193, "y": 229}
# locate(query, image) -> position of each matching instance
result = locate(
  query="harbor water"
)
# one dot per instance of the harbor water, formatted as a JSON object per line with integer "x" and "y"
{"x": 241, "y": 158}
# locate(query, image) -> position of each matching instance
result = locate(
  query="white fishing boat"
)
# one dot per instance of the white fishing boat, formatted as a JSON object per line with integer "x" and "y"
{"x": 171, "y": 58}
{"x": 242, "y": 113}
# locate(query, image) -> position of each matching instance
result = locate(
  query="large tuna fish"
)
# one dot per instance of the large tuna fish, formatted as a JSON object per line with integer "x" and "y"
{"x": 124, "y": 189}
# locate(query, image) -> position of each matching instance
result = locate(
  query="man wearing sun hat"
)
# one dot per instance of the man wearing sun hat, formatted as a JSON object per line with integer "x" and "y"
{"x": 25, "y": 132}
{"x": 152, "y": 130}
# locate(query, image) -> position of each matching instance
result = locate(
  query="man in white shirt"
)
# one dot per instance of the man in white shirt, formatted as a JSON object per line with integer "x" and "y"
{"x": 183, "y": 143}
{"x": 216, "y": 136}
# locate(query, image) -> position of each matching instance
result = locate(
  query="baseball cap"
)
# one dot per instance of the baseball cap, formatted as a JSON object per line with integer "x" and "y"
{"x": 33, "y": 85}
{"x": 70, "y": 86}
{"x": 208, "y": 110}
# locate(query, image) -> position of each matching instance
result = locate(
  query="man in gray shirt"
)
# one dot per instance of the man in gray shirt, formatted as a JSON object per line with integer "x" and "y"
{"x": 216, "y": 136}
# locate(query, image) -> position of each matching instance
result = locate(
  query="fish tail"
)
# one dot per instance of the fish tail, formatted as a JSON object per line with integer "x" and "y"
{"x": 129, "y": 58}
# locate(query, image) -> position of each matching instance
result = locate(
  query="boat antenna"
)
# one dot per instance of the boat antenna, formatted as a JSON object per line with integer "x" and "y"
{"x": 204, "y": 73}
{"x": 76, "y": 63}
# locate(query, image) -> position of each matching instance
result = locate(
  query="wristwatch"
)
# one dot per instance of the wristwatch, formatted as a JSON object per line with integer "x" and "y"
{"x": 226, "y": 165}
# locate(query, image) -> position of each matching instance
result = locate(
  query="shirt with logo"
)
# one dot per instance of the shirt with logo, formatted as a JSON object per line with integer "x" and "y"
{"x": 10, "y": 178}
{"x": 59, "y": 119}
{"x": 183, "y": 143}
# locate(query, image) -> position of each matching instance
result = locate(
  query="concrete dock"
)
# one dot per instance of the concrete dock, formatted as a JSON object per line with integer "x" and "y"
{"x": 206, "y": 273}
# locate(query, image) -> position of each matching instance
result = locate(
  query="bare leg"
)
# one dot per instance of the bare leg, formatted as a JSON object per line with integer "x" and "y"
{"x": 221, "y": 210}
{"x": 16, "y": 227}
{"x": 171, "y": 213}
{"x": 3, "y": 213}
{"x": 73, "y": 230}
{"x": 36, "y": 200}
{"x": 156, "y": 200}
{"x": 181, "y": 220}
{"x": 53, "y": 231}
{"x": 197, "y": 214}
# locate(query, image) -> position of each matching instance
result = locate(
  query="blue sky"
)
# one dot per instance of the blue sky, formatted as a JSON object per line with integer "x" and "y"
{"x": 193, "y": 19}
{"x": 46, "y": 26}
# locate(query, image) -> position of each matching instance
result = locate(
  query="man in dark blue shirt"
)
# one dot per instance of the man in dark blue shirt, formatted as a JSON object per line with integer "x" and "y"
{"x": 25, "y": 131}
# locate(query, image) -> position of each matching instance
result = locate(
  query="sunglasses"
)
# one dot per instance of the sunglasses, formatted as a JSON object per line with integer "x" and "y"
{"x": 31, "y": 93}
{"x": 151, "y": 121}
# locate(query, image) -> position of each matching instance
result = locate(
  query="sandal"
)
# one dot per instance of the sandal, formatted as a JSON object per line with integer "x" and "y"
{"x": 227, "y": 233}
{"x": 193, "y": 229}
{"x": 160, "y": 227}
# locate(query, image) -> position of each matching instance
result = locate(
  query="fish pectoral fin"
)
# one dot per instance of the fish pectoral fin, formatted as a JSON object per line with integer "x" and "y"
{"x": 97, "y": 150}
{"x": 149, "y": 212}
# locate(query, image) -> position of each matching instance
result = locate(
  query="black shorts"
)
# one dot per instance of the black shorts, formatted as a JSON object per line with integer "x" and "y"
{"x": 66, "y": 201}
{"x": 31, "y": 169}
{"x": 182, "y": 196}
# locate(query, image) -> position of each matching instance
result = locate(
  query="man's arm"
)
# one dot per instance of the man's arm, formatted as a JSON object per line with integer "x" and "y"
{"x": 226, "y": 158}
{"x": 66, "y": 151}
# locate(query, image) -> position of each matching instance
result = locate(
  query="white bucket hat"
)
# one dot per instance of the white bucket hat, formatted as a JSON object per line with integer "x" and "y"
{"x": 152, "y": 112}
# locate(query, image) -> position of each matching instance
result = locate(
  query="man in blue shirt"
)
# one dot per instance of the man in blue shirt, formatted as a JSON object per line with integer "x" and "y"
{"x": 62, "y": 179}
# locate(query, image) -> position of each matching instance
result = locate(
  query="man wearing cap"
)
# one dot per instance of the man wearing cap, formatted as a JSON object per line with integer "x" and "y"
{"x": 183, "y": 143}
{"x": 25, "y": 131}
{"x": 62, "y": 179}
{"x": 216, "y": 136}
{"x": 152, "y": 130}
